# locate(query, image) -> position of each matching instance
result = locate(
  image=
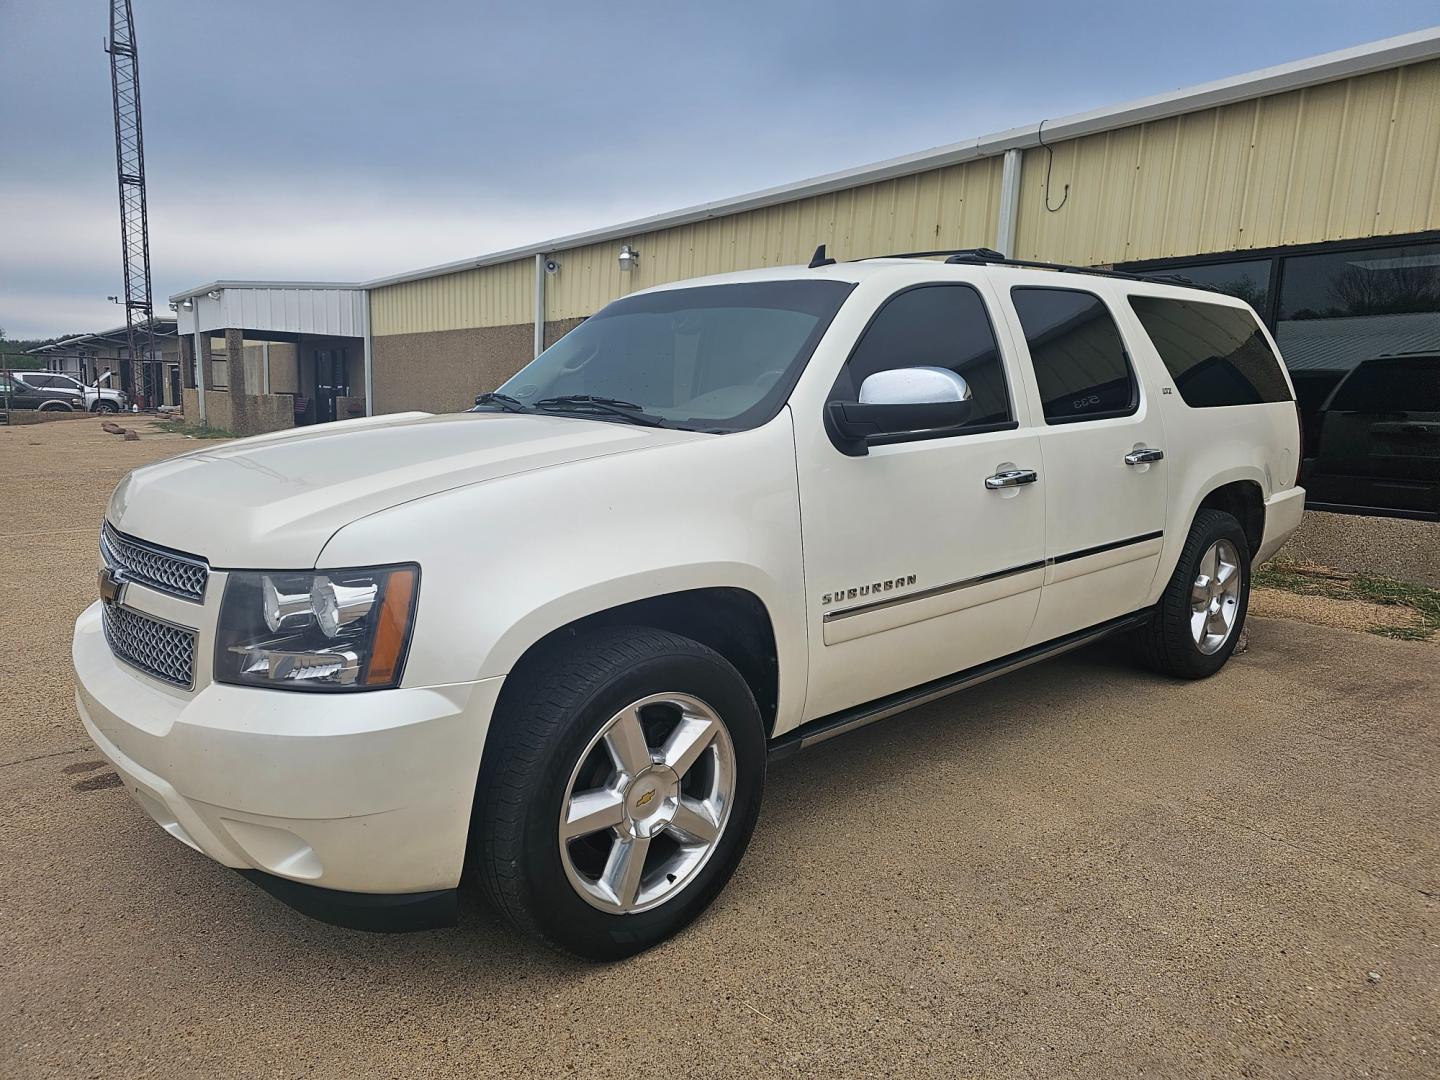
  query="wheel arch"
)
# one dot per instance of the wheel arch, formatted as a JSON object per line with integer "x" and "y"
{"x": 733, "y": 621}
{"x": 1244, "y": 500}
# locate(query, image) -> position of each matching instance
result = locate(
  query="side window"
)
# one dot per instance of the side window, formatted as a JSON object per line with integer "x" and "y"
{"x": 1078, "y": 354}
{"x": 1215, "y": 353}
{"x": 934, "y": 326}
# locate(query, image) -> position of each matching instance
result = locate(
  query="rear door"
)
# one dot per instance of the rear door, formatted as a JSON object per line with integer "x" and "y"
{"x": 1102, "y": 447}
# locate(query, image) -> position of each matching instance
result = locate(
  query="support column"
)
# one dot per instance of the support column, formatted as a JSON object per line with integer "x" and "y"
{"x": 1009, "y": 204}
{"x": 202, "y": 368}
{"x": 369, "y": 356}
{"x": 239, "y": 391}
{"x": 539, "y": 304}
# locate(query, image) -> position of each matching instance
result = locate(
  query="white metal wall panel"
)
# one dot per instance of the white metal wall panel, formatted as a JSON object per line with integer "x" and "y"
{"x": 320, "y": 311}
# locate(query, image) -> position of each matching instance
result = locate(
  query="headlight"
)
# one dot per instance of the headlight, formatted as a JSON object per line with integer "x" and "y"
{"x": 328, "y": 630}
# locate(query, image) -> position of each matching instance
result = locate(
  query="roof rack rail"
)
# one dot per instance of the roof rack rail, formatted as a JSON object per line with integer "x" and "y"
{"x": 989, "y": 256}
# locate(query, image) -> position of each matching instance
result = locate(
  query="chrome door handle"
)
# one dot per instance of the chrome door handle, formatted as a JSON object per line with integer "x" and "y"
{"x": 1011, "y": 478}
{"x": 1144, "y": 456}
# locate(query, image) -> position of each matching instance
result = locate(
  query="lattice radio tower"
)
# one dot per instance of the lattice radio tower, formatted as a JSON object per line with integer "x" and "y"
{"x": 134, "y": 224}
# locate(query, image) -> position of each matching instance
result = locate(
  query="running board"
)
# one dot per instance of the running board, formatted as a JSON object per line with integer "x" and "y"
{"x": 827, "y": 727}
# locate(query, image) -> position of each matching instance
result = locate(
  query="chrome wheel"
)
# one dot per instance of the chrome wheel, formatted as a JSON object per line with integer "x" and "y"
{"x": 647, "y": 803}
{"x": 1215, "y": 597}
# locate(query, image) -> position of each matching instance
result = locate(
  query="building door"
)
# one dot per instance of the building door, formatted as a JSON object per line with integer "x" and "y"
{"x": 330, "y": 375}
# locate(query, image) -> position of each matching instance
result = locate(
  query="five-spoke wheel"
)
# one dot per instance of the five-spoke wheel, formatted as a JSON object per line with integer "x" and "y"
{"x": 647, "y": 802}
{"x": 1215, "y": 596}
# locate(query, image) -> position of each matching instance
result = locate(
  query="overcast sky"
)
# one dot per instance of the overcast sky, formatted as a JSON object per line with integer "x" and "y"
{"x": 345, "y": 139}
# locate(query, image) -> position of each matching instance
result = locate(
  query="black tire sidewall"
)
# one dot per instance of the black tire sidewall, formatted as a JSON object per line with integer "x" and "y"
{"x": 560, "y": 913}
{"x": 1210, "y": 526}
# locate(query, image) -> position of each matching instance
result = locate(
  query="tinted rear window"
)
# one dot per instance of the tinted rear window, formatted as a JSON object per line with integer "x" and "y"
{"x": 1217, "y": 355}
{"x": 1078, "y": 355}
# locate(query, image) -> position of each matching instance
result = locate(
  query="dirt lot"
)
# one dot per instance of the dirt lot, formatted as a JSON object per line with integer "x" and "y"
{"x": 1080, "y": 871}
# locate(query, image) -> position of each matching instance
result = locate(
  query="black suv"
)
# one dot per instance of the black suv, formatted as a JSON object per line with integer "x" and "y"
{"x": 1379, "y": 440}
{"x": 17, "y": 394}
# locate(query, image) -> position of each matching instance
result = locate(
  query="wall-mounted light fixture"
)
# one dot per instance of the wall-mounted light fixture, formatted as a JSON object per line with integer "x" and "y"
{"x": 629, "y": 259}
{"x": 174, "y": 306}
{"x": 214, "y": 294}
{"x": 189, "y": 303}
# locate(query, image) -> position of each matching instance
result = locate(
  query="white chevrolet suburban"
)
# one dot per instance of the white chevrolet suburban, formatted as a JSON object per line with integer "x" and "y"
{"x": 550, "y": 644}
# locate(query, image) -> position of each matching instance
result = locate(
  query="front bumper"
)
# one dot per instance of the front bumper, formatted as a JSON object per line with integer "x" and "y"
{"x": 365, "y": 793}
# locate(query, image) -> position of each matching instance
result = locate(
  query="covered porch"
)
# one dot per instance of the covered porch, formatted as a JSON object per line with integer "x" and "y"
{"x": 264, "y": 356}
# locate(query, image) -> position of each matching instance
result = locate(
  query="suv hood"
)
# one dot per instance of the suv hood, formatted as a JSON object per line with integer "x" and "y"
{"x": 273, "y": 501}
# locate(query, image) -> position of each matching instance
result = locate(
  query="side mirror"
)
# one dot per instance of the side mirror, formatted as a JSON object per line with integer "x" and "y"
{"x": 897, "y": 402}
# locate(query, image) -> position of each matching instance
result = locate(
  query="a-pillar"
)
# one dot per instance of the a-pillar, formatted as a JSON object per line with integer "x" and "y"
{"x": 239, "y": 392}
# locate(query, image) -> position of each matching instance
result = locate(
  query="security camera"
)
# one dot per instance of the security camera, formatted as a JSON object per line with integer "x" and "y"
{"x": 551, "y": 266}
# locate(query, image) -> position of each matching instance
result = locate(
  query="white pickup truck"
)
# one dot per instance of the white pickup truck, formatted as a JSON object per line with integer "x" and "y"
{"x": 551, "y": 644}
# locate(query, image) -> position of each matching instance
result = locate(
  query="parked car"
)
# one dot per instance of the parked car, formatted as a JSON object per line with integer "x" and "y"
{"x": 553, "y": 643}
{"x": 1378, "y": 446}
{"x": 97, "y": 399}
{"x": 21, "y": 394}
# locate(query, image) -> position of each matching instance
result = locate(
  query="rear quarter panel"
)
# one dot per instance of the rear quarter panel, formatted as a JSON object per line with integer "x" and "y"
{"x": 1207, "y": 448}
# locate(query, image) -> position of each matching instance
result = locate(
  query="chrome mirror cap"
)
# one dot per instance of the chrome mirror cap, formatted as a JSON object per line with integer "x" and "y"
{"x": 913, "y": 386}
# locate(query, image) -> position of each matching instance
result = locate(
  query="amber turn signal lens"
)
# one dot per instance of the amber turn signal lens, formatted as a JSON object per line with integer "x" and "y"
{"x": 393, "y": 628}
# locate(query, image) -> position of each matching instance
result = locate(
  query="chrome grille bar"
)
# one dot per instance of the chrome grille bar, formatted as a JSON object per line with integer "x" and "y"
{"x": 168, "y": 571}
{"x": 157, "y": 648}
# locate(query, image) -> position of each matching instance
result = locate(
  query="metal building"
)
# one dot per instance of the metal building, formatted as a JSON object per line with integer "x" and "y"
{"x": 1312, "y": 188}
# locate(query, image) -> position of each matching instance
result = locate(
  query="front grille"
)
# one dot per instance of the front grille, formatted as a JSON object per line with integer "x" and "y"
{"x": 169, "y": 571}
{"x": 156, "y": 648}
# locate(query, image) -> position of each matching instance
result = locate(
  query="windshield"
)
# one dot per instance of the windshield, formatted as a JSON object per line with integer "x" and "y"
{"x": 712, "y": 358}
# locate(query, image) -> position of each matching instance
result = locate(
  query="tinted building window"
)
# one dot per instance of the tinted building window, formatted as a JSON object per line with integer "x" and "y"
{"x": 1078, "y": 354}
{"x": 1248, "y": 280}
{"x": 1217, "y": 355}
{"x": 1340, "y": 308}
{"x": 933, "y": 326}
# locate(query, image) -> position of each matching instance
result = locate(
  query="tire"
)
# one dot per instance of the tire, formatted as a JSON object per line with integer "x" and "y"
{"x": 1177, "y": 641}
{"x": 561, "y": 727}
{"x": 54, "y": 406}
{"x": 104, "y": 406}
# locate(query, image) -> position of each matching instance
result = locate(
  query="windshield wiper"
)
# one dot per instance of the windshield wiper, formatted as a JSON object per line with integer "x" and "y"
{"x": 505, "y": 401}
{"x": 626, "y": 410}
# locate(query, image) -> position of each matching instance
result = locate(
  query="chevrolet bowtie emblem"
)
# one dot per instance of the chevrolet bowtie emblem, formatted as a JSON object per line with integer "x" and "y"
{"x": 645, "y": 798}
{"x": 110, "y": 586}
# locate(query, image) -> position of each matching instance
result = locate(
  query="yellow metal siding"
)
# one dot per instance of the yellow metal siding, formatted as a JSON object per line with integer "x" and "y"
{"x": 500, "y": 295}
{"x": 1348, "y": 159}
{"x": 951, "y": 207}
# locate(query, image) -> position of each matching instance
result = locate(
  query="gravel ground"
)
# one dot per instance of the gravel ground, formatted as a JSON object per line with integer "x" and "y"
{"x": 1328, "y": 611}
{"x": 1085, "y": 871}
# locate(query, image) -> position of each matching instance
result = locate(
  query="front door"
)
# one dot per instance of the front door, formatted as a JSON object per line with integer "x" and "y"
{"x": 1105, "y": 498}
{"x": 914, "y": 568}
{"x": 330, "y": 383}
